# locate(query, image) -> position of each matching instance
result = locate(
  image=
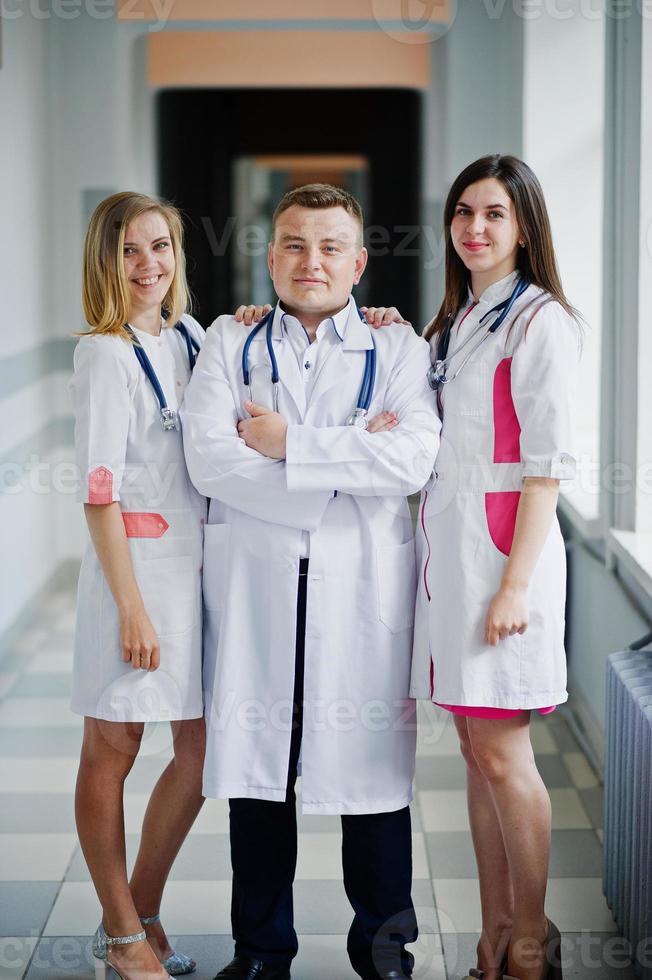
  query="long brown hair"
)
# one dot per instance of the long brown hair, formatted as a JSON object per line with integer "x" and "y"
{"x": 105, "y": 291}
{"x": 536, "y": 261}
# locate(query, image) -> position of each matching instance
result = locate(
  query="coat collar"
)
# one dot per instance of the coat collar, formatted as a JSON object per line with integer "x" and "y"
{"x": 354, "y": 333}
{"x": 496, "y": 293}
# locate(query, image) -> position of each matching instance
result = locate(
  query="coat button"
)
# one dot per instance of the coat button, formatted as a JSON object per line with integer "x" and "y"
{"x": 564, "y": 460}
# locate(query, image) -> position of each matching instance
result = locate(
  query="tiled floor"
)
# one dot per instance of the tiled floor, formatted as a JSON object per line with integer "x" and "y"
{"x": 48, "y": 909}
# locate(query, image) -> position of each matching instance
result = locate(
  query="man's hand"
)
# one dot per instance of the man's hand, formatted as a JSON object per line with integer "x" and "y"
{"x": 384, "y": 422}
{"x": 264, "y": 431}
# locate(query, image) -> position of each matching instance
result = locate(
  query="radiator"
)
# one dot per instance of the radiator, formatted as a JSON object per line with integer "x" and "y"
{"x": 627, "y": 871}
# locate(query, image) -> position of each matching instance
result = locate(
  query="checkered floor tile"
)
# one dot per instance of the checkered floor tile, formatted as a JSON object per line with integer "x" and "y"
{"x": 48, "y": 908}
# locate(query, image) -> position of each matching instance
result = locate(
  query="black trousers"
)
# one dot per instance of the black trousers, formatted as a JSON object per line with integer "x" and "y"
{"x": 376, "y": 862}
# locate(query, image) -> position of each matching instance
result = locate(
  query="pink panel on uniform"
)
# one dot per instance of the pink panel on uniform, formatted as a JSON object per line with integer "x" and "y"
{"x": 142, "y": 525}
{"x": 507, "y": 431}
{"x": 100, "y": 486}
{"x": 501, "y": 510}
{"x": 470, "y": 712}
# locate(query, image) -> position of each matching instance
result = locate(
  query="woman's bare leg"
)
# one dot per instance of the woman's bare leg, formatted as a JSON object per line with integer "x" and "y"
{"x": 496, "y": 896}
{"x": 108, "y": 753}
{"x": 504, "y": 756}
{"x": 171, "y": 812}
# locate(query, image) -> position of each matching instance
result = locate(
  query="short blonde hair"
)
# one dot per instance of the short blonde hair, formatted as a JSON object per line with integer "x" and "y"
{"x": 105, "y": 290}
{"x": 319, "y": 197}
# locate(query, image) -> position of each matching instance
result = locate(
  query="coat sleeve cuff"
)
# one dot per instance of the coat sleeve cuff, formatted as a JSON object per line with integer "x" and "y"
{"x": 561, "y": 466}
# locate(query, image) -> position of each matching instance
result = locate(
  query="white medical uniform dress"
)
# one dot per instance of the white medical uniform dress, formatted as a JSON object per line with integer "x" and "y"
{"x": 339, "y": 497}
{"x": 124, "y": 455}
{"x": 507, "y": 416}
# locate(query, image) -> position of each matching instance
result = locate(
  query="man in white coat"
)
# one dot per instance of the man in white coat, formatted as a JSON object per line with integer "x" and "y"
{"x": 309, "y": 586}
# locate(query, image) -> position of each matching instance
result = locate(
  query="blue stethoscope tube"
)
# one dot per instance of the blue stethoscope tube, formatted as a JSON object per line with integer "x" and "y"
{"x": 168, "y": 415}
{"x": 359, "y": 415}
{"x": 437, "y": 376}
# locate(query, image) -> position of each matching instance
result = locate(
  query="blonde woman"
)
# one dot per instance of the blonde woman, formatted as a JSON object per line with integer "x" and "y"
{"x": 138, "y": 635}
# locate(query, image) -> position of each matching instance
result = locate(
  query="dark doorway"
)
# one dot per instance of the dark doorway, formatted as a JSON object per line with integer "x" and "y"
{"x": 204, "y": 135}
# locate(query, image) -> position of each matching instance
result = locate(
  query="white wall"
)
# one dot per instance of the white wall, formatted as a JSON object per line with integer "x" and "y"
{"x": 27, "y": 521}
{"x": 484, "y": 61}
{"x": 602, "y": 619}
{"x": 563, "y": 137}
{"x": 473, "y": 108}
{"x": 76, "y": 117}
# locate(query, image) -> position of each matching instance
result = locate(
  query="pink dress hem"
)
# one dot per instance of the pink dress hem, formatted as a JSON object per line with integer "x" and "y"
{"x": 471, "y": 712}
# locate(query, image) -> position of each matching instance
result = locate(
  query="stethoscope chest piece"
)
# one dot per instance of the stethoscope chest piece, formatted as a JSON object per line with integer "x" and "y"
{"x": 358, "y": 418}
{"x": 168, "y": 416}
{"x": 437, "y": 375}
{"x": 169, "y": 419}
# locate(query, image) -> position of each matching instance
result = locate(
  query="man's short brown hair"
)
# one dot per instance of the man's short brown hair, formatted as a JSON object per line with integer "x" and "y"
{"x": 319, "y": 197}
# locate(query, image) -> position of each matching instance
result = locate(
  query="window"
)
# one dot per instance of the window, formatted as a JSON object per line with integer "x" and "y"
{"x": 563, "y": 138}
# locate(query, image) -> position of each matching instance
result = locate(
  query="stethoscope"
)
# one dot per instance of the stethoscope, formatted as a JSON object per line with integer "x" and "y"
{"x": 169, "y": 418}
{"x": 358, "y": 416}
{"x": 437, "y": 373}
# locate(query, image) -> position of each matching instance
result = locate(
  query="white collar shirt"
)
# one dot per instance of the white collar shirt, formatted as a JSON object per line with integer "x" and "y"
{"x": 311, "y": 356}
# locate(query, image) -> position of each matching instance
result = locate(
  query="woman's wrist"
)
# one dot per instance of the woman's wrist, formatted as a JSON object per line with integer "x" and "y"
{"x": 513, "y": 584}
{"x": 129, "y": 605}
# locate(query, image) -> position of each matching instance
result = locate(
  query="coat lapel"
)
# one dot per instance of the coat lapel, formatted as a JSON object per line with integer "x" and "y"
{"x": 291, "y": 382}
{"x": 339, "y": 368}
{"x": 290, "y": 376}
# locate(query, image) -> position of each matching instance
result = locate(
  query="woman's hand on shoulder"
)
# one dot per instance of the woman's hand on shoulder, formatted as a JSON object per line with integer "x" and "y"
{"x": 138, "y": 640}
{"x": 508, "y": 614}
{"x": 383, "y": 316}
{"x": 251, "y": 314}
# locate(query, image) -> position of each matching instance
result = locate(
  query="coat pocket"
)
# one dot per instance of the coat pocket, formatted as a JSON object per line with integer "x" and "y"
{"x": 168, "y": 587}
{"x": 396, "y": 567}
{"x": 500, "y": 509}
{"x": 216, "y": 557}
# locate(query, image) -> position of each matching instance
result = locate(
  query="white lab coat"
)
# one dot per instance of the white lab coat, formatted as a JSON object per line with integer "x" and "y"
{"x": 123, "y": 454}
{"x": 359, "y": 733}
{"x": 508, "y": 415}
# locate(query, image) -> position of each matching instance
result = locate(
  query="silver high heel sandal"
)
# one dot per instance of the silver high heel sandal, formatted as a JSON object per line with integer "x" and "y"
{"x": 177, "y": 964}
{"x": 102, "y": 965}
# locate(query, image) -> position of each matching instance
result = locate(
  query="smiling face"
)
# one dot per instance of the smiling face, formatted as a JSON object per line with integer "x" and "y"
{"x": 315, "y": 259}
{"x": 149, "y": 265}
{"x": 485, "y": 233}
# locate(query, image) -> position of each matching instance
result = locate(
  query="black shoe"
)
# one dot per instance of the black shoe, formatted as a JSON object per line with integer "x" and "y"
{"x": 391, "y": 975}
{"x": 247, "y": 968}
